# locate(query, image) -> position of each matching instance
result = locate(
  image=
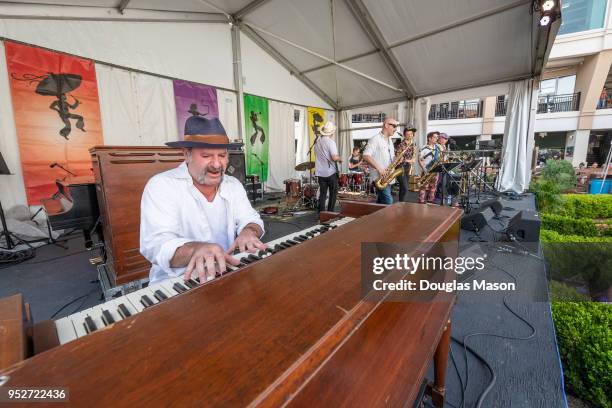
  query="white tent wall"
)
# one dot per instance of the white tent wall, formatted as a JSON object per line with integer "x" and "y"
{"x": 12, "y": 190}
{"x": 263, "y": 76}
{"x": 281, "y": 155}
{"x": 137, "y": 109}
{"x": 228, "y": 112}
{"x": 195, "y": 52}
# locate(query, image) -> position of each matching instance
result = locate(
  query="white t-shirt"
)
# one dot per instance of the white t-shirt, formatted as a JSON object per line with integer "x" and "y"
{"x": 216, "y": 214}
{"x": 382, "y": 150}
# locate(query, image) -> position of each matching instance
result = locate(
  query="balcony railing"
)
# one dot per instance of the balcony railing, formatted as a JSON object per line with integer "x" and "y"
{"x": 500, "y": 107}
{"x": 558, "y": 103}
{"x": 455, "y": 110}
{"x": 368, "y": 118}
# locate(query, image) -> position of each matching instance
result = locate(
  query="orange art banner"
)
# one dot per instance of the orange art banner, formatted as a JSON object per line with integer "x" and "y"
{"x": 57, "y": 115}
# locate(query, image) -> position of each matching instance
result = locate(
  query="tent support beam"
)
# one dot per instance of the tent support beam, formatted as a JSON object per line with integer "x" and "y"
{"x": 364, "y": 18}
{"x": 237, "y": 63}
{"x": 324, "y": 58}
{"x": 21, "y": 11}
{"x": 430, "y": 33}
{"x": 249, "y": 32}
{"x": 375, "y": 103}
{"x": 248, "y": 9}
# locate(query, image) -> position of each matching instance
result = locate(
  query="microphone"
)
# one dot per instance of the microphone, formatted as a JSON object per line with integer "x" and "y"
{"x": 52, "y": 165}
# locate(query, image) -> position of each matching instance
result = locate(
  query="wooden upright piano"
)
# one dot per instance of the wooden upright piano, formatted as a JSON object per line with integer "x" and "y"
{"x": 288, "y": 329}
{"x": 121, "y": 173}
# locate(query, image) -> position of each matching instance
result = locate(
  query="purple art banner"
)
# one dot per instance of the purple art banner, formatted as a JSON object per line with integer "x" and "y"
{"x": 193, "y": 99}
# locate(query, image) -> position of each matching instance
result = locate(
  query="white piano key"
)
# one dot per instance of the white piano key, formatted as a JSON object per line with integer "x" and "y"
{"x": 65, "y": 330}
{"x": 78, "y": 320}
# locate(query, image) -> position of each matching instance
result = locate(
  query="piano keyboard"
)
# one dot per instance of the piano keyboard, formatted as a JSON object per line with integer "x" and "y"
{"x": 87, "y": 321}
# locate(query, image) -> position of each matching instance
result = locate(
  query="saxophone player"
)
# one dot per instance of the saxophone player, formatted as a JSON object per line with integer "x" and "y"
{"x": 380, "y": 153}
{"x": 428, "y": 156}
{"x": 407, "y": 149}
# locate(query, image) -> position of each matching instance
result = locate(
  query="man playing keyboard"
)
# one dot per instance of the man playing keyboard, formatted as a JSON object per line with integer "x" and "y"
{"x": 193, "y": 217}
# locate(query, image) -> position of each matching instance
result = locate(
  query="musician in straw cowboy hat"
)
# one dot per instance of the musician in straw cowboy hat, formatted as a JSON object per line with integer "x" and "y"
{"x": 326, "y": 168}
{"x": 194, "y": 216}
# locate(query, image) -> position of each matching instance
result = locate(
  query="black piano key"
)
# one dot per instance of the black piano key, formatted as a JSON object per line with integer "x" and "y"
{"x": 191, "y": 284}
{"x": 90, "y": 325}
{"x": 285, "y": 245}
{"x": 261, "y": 253}
{"x": 310, "y": 234}
{"x": 107, "y": 318}
{"x": 291, "y": 242}
{"x": 123, "y": 311}
{"x": 159, "y": 295}
{"x": 179, "y": 288}
{"x": 146, "y": 301}
{"x": 245, "y": 260}
{"x": 269, "y": 250}
{"x": 304, "y": 236}
{"x": 254, "y": 257}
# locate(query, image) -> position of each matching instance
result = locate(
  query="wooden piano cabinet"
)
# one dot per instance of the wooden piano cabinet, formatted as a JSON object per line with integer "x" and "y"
{"x": 290, "y": 330}
{"x": 121, "y": 173}
{"x": 13, "y": 339}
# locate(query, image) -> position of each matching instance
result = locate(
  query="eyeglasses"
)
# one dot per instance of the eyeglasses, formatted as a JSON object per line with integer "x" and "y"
{"x": 393, "y": 124}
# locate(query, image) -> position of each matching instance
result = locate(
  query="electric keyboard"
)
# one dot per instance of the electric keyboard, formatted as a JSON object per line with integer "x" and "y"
{"x": 88, "y": 321}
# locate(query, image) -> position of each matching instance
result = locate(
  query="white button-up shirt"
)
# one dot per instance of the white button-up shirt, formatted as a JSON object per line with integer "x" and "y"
{"x": 172, "y": 214}
{"x": 382, "y": 150}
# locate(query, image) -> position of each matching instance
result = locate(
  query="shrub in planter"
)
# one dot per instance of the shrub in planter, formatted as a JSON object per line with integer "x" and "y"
{"x": 569, "y": 225}
{"x": 587, "y": 205}
{"x": 584, "y": 335}
{"x": 547, "y": 194}
{"x": 588, "y": 259}
{"x": 560, "y": 172}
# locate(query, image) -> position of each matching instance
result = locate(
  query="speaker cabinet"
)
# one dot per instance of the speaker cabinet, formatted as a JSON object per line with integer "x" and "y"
{"x": 525, "y": 226}
{"x": 236, "y": 166}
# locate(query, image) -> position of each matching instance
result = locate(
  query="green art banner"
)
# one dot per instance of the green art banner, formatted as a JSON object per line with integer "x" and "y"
{"x": 256, "y": 135}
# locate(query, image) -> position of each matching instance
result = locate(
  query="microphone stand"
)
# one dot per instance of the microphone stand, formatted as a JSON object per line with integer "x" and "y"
{"x": 263, "y": 190}
{"x": 63, "y": 168}
{"x": 310, "y": 156}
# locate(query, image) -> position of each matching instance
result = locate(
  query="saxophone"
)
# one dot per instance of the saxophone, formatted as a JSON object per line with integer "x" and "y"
{"x": 392, "y": 171}
{"x": 427, "y": 177}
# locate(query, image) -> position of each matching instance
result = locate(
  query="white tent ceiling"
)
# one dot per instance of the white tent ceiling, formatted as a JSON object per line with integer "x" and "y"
{"x": 360, "y": 52}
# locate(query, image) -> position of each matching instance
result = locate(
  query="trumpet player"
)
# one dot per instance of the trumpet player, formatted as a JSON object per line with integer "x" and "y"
{"x": 379, "y": 154}
{"x": 428, "y": 157}
{"x": 408, "y": 148}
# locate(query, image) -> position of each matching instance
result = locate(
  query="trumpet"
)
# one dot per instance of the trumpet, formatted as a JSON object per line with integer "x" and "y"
{"x": 392, "y": 171}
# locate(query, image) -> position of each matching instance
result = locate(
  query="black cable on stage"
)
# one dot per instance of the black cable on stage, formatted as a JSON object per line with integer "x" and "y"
{"x": 72, "y": 301}
{"x": 466, "y": 347}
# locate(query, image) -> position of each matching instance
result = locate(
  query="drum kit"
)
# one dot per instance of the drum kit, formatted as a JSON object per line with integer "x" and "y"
{"x": 302, "y": 193}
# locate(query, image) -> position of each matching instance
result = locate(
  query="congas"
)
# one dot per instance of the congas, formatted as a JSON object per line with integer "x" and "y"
{"x": 357, "y": 178}
{"x": 343, "y": 181}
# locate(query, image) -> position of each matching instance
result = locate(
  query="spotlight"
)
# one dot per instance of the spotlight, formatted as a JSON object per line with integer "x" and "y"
{"x": 544, "y": 21}
{"x": 548, "y": 5}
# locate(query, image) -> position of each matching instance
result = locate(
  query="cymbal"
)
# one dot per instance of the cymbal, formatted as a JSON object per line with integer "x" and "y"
{"x": 304, "y": 166}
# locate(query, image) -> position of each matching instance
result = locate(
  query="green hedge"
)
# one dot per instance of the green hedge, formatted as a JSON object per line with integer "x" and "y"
{"x": 569, "y": 225}
{"x": 547, "y": 236}
{"x": 560, "y": 291}
{"x": 587, "y": 205}
{"x": 584, "y": 335}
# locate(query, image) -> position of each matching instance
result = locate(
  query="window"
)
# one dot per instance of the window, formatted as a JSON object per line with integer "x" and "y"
{"x": 582, "y": 15}
{"x": 368, "y": 118}
{"x": 558, "y": 86}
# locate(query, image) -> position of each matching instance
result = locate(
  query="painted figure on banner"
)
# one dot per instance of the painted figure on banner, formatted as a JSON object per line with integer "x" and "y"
{"x": 193, "y": 109}
{"x": 317, "y": 122}
{"x": 58, "y": 85}
{"x": 258, "y": 129}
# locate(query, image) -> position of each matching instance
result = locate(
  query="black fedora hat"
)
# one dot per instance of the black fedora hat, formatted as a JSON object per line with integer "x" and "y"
{"x": 202, "y": 132}
{"x": 410, "y": 127}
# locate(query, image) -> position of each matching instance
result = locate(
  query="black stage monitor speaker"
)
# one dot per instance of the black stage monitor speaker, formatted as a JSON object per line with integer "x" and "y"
{"x": 494, "y": 204}
{"x": 236, "y": 166}
{"x": 477, "y": 219}
{"x": 525, "y": 226}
